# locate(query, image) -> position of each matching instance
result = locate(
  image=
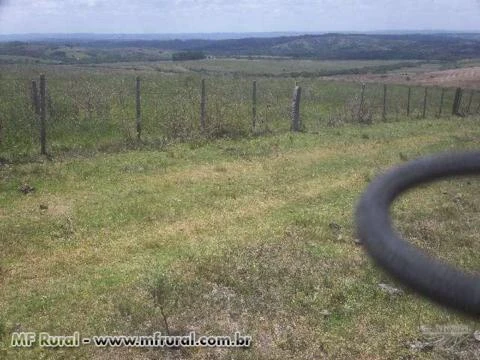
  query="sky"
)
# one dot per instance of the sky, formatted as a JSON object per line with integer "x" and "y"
{"x": 210, "y": 16}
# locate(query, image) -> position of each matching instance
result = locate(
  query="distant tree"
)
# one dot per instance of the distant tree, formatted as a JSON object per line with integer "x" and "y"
{"x": 59, "y": 54}
{"x": 188, "y": 55}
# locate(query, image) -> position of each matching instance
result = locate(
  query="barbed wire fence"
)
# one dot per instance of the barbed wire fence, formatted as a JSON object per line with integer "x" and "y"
{"x": 64, "y": 115}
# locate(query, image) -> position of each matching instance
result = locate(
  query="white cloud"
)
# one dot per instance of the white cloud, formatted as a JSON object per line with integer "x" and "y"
{"x": 229, "y": 16}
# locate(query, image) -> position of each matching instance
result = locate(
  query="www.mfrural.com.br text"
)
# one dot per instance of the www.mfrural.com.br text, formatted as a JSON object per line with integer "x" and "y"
{"x": 157, "y": 340}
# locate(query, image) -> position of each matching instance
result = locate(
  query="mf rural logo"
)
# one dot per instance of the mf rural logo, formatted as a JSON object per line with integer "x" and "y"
{"x": 43, "y": 339}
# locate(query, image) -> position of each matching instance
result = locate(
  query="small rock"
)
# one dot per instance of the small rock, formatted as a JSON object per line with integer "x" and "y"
{"x": 391, "y": 290}
{"x": 43, "y": 207}
{"x": 357, "y": 241}
{"x": 476, "y": 335}
{"x": 26, "y": 189}
{"x": 325, "y": 313}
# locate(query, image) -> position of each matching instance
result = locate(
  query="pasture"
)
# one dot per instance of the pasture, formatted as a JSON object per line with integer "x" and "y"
{"x": 233, "y": 230}
{"x": 93, "y": 108}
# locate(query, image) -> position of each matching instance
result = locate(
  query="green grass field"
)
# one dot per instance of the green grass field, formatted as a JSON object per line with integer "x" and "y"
{"x": 253, "y": 235}
{"x": 231, "y": 229}
{"x": 277, "y": 67}
{"x": 92, "y": 109}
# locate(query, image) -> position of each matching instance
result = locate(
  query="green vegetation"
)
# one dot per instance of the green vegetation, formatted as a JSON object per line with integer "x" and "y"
{"x": 280, "y": 68}
{"x": 92, "y": 109}
{"x": 65, "y": 53}
{"x": 227, "y": 229}
{"x": 188, "y": 55}
{"x": 251, "y": 235}
{"x": 291, "y": 68}
{"x": 448, "y": 47}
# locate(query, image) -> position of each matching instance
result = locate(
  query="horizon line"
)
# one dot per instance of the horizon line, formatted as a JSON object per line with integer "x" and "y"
{"x": 245, "y": 32}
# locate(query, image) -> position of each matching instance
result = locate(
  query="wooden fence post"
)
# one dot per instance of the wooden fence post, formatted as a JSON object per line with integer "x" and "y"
{"x": 297, "y": 94}
{"x": 362, "y": 104}
{"x": 43, "y": 115}
{"x": 203, "y": 103}
{"x": 408, "y": 101}
{"x": 384, "y": 113}
{"x": 254, "y": 105}
{"x": 424, "y": 114}
{"x": 469, "y": 102}
{"x": 267, "y": 108}
{"x": 457, "y": 101}
{"x": 441, "y": 102}
{"x": 35, "y": 100}
{"x": 139, "y": 109}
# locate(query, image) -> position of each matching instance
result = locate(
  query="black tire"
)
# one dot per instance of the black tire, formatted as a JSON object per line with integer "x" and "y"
{"x": 436, "y": 280}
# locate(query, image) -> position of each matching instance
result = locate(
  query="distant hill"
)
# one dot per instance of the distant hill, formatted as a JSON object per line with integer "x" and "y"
{"x": 350, "y": 46}
{"x": 129, "y": 37}
{"x": 83, "y": 49}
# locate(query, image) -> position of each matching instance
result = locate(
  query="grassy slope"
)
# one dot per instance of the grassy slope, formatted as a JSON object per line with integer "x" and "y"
{"x": 239, "y": 234}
